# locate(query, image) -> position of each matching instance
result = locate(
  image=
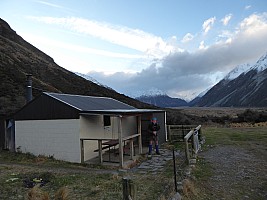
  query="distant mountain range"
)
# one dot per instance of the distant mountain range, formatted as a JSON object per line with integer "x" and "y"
{"x": 162, "y": 100}
{"x": 244, "y": 86}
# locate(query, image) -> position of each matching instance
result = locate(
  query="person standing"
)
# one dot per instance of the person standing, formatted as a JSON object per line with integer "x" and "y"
{"x": 153, "y": 129}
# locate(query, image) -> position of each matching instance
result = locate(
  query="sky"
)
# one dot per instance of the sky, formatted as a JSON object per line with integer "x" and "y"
{"x": 178, "y": 47}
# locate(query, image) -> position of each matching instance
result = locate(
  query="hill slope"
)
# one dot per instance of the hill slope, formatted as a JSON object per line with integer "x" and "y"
{"x": 249, "y": 89}
{"x": 18, "y": 58}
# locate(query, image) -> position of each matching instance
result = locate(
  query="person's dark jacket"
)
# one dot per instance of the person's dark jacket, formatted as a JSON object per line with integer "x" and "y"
{"x": 153, "y": 127}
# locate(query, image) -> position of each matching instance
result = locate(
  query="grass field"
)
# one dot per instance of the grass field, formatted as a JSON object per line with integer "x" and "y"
{"x": 75, "y": 181}
{"x": 232, "y": 165}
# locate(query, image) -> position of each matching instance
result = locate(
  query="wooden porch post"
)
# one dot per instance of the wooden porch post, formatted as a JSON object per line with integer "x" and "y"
{"x": 82, "y": 151}
{"x": 139, "y": 127}
{"x": 131, "y": 149}
{"x": 100, "y": 151}
{"x": 120, "y": 141}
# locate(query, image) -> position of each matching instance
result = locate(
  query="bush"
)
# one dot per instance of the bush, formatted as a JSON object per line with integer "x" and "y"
{"x": 251, "y": 116}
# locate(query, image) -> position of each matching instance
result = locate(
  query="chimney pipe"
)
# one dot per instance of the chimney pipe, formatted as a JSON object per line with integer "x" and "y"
{"x": 29, "y": 88}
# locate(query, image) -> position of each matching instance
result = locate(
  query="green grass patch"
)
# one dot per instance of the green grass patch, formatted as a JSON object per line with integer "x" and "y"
{"x": 79, "y": 185}
{"x": 203, "y": 169}
{"x": 233, "y": 136}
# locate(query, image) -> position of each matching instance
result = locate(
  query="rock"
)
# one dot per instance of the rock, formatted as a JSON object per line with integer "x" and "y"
{"x": 122, "y": 170}
{"x": 177, "y": 196}
{"x": 192, "y": 161}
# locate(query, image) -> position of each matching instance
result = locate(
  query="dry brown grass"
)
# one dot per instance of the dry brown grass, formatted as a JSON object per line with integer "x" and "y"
{"x": 63, "y": 194}
{"x": 188, "y": 187}
{"x": 248, "y": 125}
{"x": 36, "y": 193}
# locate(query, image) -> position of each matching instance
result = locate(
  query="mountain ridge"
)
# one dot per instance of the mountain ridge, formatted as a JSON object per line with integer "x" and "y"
{"x": 248, "y": 89}
{"x": 244, "y": 86}
{"x": 19, "y": 58}
{"x": 163, "y": 101}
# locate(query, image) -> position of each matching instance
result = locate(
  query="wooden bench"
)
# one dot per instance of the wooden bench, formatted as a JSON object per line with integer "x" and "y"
{"x": 113, "y": 143}
{"x": 108, "y": 145}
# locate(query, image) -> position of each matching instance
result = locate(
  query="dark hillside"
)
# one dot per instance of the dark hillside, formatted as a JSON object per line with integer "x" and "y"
{"x": 249, "y": 89}
{"x": 18, "y": 58}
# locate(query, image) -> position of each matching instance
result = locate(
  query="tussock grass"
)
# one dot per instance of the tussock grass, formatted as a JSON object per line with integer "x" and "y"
{"x": 37, "y": 194}
{"x": 63, "y": 194}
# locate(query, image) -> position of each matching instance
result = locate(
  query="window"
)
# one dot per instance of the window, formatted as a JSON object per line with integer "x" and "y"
{"x": 107, "y": 120}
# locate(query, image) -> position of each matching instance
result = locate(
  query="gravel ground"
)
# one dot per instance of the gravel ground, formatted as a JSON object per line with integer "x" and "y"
{"x": 238, "y": 172}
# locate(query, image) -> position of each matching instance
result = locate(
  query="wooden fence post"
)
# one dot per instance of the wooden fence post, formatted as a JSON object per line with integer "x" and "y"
{"x": 129, "y": 189}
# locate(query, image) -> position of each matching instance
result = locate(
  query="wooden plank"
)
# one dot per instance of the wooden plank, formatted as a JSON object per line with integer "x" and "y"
{"x": 187, "y": 152}
{"x": 82, "y": 150}
{"x": 105, "y": 139}
{"x": 100, "y": 152}
{"x": 186, "y": 138}
{"x": 130, "y": 137}
{"x": 169, "y": 133}
{"x": 120, "y": 142}
{"x": 139, "y": 127}
{"x": 129, "y": 189}
{"x": 188, "y": 135}
{"x": 131, "y": 149}
{"x": 186, "y": 145}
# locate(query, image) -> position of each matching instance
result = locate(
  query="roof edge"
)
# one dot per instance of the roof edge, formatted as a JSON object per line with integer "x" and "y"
{"x": 49, "y": 94}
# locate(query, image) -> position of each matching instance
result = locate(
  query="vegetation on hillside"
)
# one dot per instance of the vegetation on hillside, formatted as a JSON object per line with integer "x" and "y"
{"x": 19, "y": 58}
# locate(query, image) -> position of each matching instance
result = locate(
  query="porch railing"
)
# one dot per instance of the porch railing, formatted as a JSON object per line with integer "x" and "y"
{"x": 115, "y": 142}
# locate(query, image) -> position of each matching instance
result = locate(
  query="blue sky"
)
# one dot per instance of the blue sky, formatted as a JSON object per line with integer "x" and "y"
{"x": 181, "y": 47}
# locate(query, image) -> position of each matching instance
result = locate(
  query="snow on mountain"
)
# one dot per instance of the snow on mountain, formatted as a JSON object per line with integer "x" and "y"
{"x": 245, "y": 86}
{"x": 151, "y": 92}
{"x": 239, "y": 69}
{"x": 201, "y": 94}
{"x": 89, "y": 78}
{"x": 261, "y": 64}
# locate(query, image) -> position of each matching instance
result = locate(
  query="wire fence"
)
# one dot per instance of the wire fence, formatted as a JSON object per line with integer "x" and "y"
{"x": 158, "y": 183}
{"x": 149, "y": 182}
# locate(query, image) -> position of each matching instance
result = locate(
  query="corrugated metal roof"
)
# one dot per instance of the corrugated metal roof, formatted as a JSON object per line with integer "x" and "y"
{"x": 90, "y": 103}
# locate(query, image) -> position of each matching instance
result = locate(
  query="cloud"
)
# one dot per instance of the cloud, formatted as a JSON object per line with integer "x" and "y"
{"x": 206, "y": 26}
{"x": 120, "y": 35}
{"x": 247, "y": 7}
{"x": 226, "y": 19}
{"x": 202, "y": 45}
{"x": 49, "y": 4}
{"x": 188, "y": 37}
{"x": 81, "y": 49}
{"x": 183, "y": 73}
